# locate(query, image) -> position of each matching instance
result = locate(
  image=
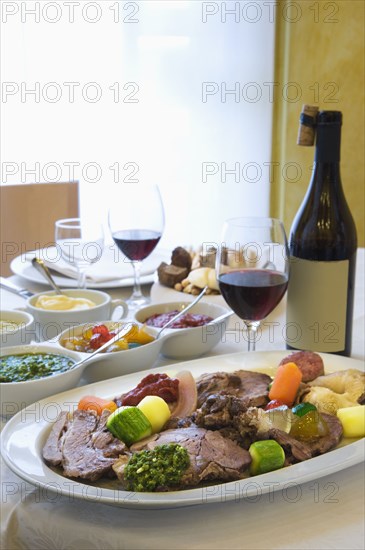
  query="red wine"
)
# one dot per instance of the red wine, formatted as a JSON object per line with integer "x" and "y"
{"x": 253, "y": 293}
{"x": 322, "y": 245}
{"x": 136, "y": 244}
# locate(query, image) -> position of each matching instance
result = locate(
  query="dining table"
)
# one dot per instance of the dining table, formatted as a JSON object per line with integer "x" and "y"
{"x": 324, "y": 513}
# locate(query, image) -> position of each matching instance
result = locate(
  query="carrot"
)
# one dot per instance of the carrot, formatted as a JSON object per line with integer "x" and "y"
{"x": 286, "y": 383}
{"x": 97, "y": 404}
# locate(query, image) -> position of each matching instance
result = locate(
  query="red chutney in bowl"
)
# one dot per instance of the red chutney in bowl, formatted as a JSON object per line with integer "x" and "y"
{"x": 185, "y": 321}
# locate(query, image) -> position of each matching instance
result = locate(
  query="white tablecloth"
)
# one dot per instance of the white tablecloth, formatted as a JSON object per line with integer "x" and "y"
{"x": 323, "y": 514}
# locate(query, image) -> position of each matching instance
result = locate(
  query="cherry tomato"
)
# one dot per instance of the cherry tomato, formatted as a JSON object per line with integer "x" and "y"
{"x": 96, "y": 341}
{"x": 100, "y": 329}
{"x": 274, "y": 404}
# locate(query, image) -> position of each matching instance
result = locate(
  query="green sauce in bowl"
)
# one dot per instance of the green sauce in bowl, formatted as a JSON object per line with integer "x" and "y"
{"x": 32, "y": 366}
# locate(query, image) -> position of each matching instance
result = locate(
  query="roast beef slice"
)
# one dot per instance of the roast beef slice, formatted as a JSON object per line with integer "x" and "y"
{"x": 82, "y": 445}
{"x": 212, "y": 457}
{"x": 250, "y": 387}
{"x": 52, "y": 451}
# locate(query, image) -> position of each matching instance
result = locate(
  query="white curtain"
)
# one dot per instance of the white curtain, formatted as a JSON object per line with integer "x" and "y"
{"x": 174, "y": 92}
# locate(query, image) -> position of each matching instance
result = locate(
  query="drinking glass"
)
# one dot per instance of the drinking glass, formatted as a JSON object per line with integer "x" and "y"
{"x": 81, "y": 243}
{"x": 136, "y": 222}
{"x": 252, "y": 268}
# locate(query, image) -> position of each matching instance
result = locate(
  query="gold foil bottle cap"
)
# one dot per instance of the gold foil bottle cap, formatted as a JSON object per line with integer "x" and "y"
{"x": 307, "y": 126}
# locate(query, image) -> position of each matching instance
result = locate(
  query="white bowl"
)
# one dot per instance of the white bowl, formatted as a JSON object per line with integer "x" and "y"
{"x": 116, "y": 363}
{"x": 17, "y": 395}
{"x": 24, "y": 331}
{"x": 50, "y": 323}
{"x": 184, "y": 343}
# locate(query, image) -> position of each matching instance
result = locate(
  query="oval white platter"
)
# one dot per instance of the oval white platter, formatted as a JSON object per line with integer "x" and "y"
{"x": 24, "y": 435}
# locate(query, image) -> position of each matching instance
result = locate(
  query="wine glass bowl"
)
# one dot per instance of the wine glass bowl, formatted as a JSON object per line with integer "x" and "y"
{"x": 253, "y": 269}
{"x": 137, "y": 229}
{"x": 80, "y": 243}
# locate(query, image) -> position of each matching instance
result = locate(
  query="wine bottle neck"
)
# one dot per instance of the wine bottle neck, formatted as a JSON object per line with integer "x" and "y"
{"x": 328, "y": 143}
{"x": 326, "y": 178}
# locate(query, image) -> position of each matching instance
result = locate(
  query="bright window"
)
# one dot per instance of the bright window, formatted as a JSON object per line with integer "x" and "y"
{"x": 174, "y": 92}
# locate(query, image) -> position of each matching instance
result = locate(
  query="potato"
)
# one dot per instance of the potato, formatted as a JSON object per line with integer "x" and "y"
{"x": 352, "y": 420}
{"x": 199, "y": 277}
{"x": 156, "y": 410}
{"x": 203, "y": 276}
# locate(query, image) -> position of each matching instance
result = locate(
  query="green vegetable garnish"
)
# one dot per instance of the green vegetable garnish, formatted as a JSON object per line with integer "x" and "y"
{"x": 303, "y": 408}
{"x": 266, "y": 455}
{"x": 129, "y": 424}
{"x": 161, "y": 467}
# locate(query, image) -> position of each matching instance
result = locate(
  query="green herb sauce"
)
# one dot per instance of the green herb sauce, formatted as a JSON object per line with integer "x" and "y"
{"x": 32, "y": 366}
{"x": 161, "y": 467}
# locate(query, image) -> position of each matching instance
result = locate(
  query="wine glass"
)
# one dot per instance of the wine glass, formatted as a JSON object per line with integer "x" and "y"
{"x": 252, "y": 269}
{"x": 136, "y": 222}
{"x": 80, "y": 243}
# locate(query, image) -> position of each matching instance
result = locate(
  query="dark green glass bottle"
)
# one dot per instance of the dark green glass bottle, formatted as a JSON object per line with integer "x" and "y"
{"x": 323, "y": 244}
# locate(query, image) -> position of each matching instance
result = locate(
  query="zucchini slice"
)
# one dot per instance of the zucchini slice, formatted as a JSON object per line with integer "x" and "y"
{"x": 266, "y": 455}
{"x": 129, "y": 424}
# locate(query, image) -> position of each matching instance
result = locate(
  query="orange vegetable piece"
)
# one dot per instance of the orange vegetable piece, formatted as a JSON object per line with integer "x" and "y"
{"x": 286, "y": 383}
{"x": 140, "y": 336}
{"x": 97, "y": 404}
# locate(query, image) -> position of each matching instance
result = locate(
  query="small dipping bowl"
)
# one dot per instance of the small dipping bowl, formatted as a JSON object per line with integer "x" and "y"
{"x": 114, "y": 363}
{"x": 50, "y": 323}
{"x": 22, "y": 332}
{"x": 17, "y": 395}
{"x": 187, "y": 343}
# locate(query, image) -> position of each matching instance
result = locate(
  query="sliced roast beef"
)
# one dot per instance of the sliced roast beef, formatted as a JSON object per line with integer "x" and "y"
{"x": 82, "y": 445}
{"x": 212, "y": 457}
{"x": 250, "y": 387}
{"x": 52, "y": 451}
{"x": 329, "y": 441}
{"x": 218, "y": 411}
{"x": 297, "y": 451}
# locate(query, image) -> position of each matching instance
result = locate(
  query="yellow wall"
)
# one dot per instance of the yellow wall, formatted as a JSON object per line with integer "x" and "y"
{"x": 322, "y": 54}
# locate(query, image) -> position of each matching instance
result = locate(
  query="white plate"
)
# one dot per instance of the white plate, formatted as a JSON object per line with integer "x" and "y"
{"x": 22, "y": 266}
{"x": 24, "y": 435}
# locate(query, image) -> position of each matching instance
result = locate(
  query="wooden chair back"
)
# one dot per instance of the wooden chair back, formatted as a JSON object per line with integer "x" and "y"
{"x": 28, "y": 215}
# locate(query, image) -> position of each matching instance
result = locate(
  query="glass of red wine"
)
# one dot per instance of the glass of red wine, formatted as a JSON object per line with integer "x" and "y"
{"x": 253, "y": 269}
{"x": 136, "y": 222}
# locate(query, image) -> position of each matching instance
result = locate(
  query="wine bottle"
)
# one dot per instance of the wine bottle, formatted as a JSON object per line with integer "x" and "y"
{"x": 323, "y": 244}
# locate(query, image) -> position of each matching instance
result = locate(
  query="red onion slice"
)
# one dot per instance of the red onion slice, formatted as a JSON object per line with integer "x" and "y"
{"x": 188, "y": 395}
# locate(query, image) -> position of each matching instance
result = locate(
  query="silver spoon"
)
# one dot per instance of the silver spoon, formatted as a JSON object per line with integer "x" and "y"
{"x": 221, "y": 317}
{"x": 123, "y": 331}
{"x": 40, "y": 266}
{"x": 183, "y": 311}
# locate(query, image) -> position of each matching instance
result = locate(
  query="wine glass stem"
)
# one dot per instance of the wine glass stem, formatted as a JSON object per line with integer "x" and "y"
{"x": 81, "y": 278}
{"x": 252, "y": 335}
{"x": 137, "y": 293}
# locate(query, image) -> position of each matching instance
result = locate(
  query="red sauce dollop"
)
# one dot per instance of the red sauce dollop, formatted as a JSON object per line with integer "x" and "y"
{"x": 153, "y": 384}
{"x": 185, "y": 321}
